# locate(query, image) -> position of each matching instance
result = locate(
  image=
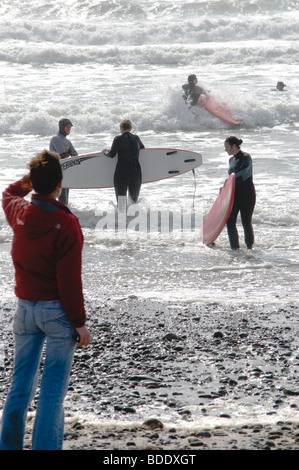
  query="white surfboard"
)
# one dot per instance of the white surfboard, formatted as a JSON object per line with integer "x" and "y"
{"x": 95, "y": 170}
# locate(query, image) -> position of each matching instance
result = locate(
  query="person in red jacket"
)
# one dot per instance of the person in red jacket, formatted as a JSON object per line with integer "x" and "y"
{"x": 46, "y": 253}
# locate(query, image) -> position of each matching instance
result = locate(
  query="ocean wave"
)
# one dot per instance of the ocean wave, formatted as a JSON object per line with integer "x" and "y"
{"x": 142, "y": 10}
{"x": 129, "y": 24}
{"x": 255, "y": 52}
{"x": 170, "y": 116}
{"x": 129, "y": 32}
{"x": 135, "y": 33}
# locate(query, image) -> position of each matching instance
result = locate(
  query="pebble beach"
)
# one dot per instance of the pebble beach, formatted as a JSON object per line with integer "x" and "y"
{"x": 200, "y": 363}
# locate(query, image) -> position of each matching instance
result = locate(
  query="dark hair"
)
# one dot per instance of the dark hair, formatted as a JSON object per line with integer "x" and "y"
{"x": 45, "y": 172}
{"x": 191, "y": 78}
{"x": 232, "y": 140}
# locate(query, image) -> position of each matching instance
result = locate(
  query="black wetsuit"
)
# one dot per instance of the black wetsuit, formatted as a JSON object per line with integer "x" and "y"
{"x": 244, "y": 201}
{"x": 191, "y": 93}
{"x": 127, "y": 175}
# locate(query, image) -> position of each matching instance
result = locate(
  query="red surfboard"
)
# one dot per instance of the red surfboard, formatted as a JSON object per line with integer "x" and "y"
{"x": 219, "y": 212}
{"x": 213, "y": 107}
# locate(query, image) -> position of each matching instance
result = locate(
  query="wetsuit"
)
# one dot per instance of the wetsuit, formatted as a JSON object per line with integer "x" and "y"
{"x": 58, "y": 144}
{"x": 244, "y": 201}
{"x": 127, "y": 175}
{"x": 191, "y": 93}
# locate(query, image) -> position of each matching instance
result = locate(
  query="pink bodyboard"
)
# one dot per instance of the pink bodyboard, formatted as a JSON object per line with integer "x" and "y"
{"x": 213, "y": 107}
{"x": 219, "y": 212}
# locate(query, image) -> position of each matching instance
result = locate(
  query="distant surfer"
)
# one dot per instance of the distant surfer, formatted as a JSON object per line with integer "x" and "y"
{"x": 240, "y": 163}
{"x": 127, "y": 175}
{"x": 64, "y": 147}
{"x": 191, "y": 91}
{"x": 280, "y": 86}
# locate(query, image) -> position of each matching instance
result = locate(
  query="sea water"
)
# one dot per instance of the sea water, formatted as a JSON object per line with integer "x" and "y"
{"x": 97, "y": 62}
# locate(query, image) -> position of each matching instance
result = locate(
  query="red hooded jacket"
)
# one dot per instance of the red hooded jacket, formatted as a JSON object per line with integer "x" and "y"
{"x": 46, "y": 250}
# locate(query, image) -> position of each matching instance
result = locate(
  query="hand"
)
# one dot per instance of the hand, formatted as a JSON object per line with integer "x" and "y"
{"x": 26, "y": 184}
{"x": 84, "y": 336}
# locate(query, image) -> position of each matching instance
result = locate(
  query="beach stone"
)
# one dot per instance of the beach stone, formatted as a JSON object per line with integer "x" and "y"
{"x": 194, "y": 442}
{"x": 77, "y": 425}
{"x": 203, "y": 434}
{"x": 153, "y": 423}
{"x": 275, "y": 435}
{"x": 243, "y": 335}
{"x": 129, "y": 409}
{"x": 242, "y": 377}
{"x": 291, "y": 392}
{"x": 71, "y": 435}
{"x": 170, "y": 337}
{"x": 140, "y": 378}
{"x": 269, "y": 444}
{"x": 232, "y": 382}
{"x": 155, "y": 435}
{"x": 118, "y": 407}
{"x": 218, "y": 334}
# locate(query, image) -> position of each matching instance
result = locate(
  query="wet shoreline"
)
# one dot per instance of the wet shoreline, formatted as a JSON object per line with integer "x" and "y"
{"x": 80, "y": 435}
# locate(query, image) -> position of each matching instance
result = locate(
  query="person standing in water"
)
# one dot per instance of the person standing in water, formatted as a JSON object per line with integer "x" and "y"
{"x": 127, "y": 175}
{"x": 64, "y": 147}
{"x": 240, "y": 163}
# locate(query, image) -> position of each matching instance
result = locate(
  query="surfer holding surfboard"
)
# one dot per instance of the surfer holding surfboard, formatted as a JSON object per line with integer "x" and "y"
{"x": 196, "y": 95}
{"x": 127, "y": 175}
{"x": 191, "y": 91}
{"x": 64, "y": 147}
{"x": 240, "y": 164}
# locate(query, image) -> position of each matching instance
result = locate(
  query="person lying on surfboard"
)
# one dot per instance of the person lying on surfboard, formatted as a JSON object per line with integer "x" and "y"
{"x": 191, "y": 91}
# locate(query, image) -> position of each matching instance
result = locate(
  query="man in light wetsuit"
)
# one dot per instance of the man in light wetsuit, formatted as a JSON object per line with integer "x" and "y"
{"x": 64, "y": 147}
{"x": 244, "y": 201}
{"x": 191, "y": 91}
{"x": 127, "y": 175}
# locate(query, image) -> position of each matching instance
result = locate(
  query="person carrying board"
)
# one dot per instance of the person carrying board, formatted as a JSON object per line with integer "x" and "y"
{"x": 127, "y": 176}
{"x": 191, "y": 91}
{"x": 64, "y": 147}
{"x": 240, "y": 163}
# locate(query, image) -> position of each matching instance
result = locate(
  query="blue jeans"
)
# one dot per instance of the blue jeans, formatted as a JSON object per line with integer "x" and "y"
{"x": 35, "y": 322}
